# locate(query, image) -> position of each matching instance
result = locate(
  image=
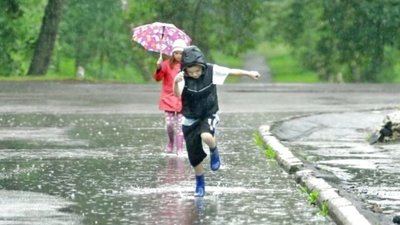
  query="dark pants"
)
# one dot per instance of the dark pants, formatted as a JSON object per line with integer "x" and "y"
{"x": 193, "y": 141}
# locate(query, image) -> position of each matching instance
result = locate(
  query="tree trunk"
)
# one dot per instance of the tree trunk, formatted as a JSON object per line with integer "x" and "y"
{"x": 47, "y": 37}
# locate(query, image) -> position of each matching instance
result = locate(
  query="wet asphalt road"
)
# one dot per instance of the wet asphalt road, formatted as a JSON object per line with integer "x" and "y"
{"x": 80, "y": 125}
{"x": 85, "y": 98}
{"x": 336, "y": 146}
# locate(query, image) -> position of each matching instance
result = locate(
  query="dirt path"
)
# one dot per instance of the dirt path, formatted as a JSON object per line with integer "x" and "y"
{"x": 256, "y": 61}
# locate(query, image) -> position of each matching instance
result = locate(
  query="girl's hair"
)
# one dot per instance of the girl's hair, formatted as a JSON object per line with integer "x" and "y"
{"x": 172, "y": 61}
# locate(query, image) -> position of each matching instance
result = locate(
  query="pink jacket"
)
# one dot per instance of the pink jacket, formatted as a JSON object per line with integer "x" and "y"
{"x": 168, "y": 101}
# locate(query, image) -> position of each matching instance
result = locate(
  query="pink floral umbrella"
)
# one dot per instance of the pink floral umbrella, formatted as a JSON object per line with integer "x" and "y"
{"x": 159, "y": 37}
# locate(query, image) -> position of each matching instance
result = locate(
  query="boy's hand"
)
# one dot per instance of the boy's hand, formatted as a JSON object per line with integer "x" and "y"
{"x": 254, "y": 75}
{"x": 179, "y": 77}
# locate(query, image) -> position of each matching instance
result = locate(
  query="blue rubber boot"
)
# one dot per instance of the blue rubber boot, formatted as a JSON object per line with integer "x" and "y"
{"x": 215, "y": 163}
{"x": 200, "y": 189}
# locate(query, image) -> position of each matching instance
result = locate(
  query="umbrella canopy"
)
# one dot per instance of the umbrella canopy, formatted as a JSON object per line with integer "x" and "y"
{"x": 159, "y": 37}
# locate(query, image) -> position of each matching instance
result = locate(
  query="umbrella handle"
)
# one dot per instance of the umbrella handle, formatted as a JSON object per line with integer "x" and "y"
{"x": 162, "y": 37}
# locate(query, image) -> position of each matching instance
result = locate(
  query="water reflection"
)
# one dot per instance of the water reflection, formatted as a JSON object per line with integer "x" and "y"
{"x": 174, "y": 205}
{"x": 200, "y": 206}
{"x": 174, "y": 171}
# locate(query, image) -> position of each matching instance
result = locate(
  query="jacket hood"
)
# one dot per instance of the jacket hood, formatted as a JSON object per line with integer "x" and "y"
{"x": 192, "y": 55}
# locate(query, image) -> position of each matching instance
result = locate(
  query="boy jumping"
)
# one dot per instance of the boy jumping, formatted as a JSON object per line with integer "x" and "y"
{"x": 196, "y": 84}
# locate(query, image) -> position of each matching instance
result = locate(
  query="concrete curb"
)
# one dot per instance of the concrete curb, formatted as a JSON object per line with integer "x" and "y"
{"x": 341, "y": 210}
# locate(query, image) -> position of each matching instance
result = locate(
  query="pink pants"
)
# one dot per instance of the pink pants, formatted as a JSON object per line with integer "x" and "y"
{"x": 173, "y": 122}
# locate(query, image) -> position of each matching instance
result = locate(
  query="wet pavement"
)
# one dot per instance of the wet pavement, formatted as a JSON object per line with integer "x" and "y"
{"x": 337, "y": 146}
{"x": 111, "y": 169}
{"x": 95, "y": 151}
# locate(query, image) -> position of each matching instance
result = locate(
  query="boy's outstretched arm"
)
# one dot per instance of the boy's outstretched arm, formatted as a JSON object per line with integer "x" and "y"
{"x": 239, "y": 72}
{"x": 178, "y": 84}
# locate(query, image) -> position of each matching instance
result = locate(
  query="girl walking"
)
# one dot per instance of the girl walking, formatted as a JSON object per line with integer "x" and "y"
{"x": 169, "y": 103}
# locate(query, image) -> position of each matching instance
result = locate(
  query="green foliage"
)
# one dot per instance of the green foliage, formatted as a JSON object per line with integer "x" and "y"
{"x": 313, "y": 197}
{"x": 225, "y": 25}
{"x": 284, "y": 66}
{"x": 220, "y": 58}
{"x": 340, "y": 40}
{"x": 20, "y": 24}
{"x": 324, "y": 209}
{"x": 97, "y": 34}
{"x": 258, "y": 140}
{"x": 269, "y": 152}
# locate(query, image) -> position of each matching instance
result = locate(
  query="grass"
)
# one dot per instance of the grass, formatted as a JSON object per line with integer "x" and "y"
{"x": 118, "y": 75}
{"x": 324, "y": 210}
{"x": 35, "y": 78}
{"x": 284, "y": 67}
{"x": 313, "y": 198}
{"x": 111, "y": 74}
{"x": 397, "y": 71}
{"x": 269, "y": 152}
{"x": 55, "y": 78}
{"x": 226, "y": 60}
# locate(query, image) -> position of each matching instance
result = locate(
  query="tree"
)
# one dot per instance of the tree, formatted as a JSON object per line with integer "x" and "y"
{"x": 225, "y": 25}
{"x": 20, "y": 25}
{"x": 47, "y": 37}
{"x": 364, "y": 30}
{"x": 355, "y": 38}
{"x": 57, "y": 36}
{"x": 97, "y": 36}
{"x": 8, "y": 34}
